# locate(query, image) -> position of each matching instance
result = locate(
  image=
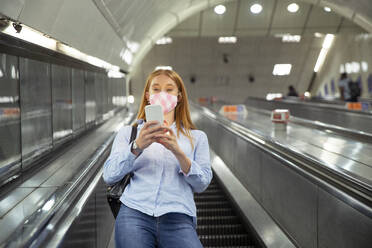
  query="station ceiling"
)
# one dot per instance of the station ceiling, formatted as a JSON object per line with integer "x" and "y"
{"x": 110, "y": 29}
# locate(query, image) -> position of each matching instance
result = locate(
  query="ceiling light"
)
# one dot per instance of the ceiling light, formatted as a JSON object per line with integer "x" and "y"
{"x": 115, "y": 74}
{"x": 364, "y": 66}
{"x": 342, "y": 68}
{"x": 318, "y": 35}
{"x": 30, "y": 35}
{"x": 256, "y": 8}
{"x": 127, "y": 56}
{"x": 327, "y": 9}
{"x": 231, "y": 39}
{"x": 327, "y": 43}
{"x": 273, "y": 96}
{"x": 164, "y": 41}
{"x": 133, "y": 46}
{"x": 163, "y": 67}
{"x": 291, "y": 38}
{"x": 220, "y": 9}
{"x": 282, "y": 69}
{"x": 131, "y": 99}
{"x": 293, "y": 7}
{"x": 307, "y": 94}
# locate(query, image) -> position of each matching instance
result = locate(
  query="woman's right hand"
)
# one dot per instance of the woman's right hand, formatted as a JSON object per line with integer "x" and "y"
{"x": 148, "y": 133}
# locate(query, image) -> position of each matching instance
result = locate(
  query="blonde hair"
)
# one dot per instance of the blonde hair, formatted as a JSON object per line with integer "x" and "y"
{"x": 182, "y": 113}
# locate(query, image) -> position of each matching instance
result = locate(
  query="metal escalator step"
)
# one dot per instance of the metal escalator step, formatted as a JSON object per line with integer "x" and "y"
{"x": 226, "y": 240}
{"x": 210, "y": 191}
{"x": 220, "y": 229}
{"x": 199, "y": 198}
{"x": 215, "y": 211}
{"x": 212, "y": 204}
{"x": 211, "y": 188}
{"x": 218, "y": 220}
{"x": 235, "y": 246}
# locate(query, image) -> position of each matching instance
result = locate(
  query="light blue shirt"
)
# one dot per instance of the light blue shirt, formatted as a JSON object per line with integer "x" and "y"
{"x": 158, "y": 185}
{"x": 345, "y": 84}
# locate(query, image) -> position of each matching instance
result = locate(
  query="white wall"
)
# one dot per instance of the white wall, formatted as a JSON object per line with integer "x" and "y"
{"x": 202, "y": 57}
{"x": 346, "y": 49}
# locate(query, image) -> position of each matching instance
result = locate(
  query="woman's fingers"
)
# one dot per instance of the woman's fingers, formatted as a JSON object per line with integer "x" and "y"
{"x": 169, "y": 130}
{"x": 150, "y": 123}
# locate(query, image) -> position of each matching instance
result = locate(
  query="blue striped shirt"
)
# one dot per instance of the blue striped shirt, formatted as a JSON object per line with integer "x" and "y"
{"x": 158, "y": 185}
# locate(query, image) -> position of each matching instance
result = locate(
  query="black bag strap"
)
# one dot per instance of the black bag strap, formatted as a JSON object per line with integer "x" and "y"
{"x": 133, "y": 134}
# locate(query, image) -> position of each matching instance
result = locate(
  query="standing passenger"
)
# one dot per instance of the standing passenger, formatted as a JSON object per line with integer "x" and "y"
{"x": 169, "y": 163}
{"x": 292, "y": 91}
{"x": 343, "y": 86}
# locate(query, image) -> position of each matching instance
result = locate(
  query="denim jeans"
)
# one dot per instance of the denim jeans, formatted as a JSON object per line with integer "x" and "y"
{"x": 134, "y": 229}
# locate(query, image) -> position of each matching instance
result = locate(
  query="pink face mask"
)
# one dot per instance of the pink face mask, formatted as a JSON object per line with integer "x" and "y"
{"x": 167, "y": 101}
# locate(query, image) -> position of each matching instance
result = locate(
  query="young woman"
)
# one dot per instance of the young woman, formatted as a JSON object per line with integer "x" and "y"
{"x": 169, "y": 163}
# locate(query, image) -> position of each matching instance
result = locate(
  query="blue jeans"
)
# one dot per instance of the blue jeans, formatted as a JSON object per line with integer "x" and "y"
{"x": 134, "y": 229}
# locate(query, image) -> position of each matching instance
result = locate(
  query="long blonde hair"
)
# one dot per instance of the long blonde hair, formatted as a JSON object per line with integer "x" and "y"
{"x": 182, "y": 113}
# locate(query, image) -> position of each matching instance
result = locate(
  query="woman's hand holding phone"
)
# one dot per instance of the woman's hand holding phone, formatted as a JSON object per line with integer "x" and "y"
{"x": 168, "y": 139}
{"x": 148, "y": 134}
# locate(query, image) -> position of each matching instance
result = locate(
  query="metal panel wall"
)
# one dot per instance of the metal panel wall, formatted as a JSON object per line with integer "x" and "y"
{"x": 310, "y": 215}
{"x": 340, "y": 225}
{"x": 10, "y": 141}
{"x": 36, "y": 103}
{"x": 94, "y": 226}
{"x": 98, "y": 85}
{"x": 78, "y": 100}
{"x": 291, "y": 199}
{"x": 62, "y": 103}
{"x": 90, "y": 97}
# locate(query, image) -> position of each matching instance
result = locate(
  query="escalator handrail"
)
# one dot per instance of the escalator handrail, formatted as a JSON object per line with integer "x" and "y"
{"x": 323, "y": 106}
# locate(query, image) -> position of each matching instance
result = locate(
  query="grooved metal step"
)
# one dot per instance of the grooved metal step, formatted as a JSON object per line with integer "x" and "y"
{"x": 212, "y": 204}
{"x": 199, "y": 198}
{"x": 215, "y": 211}
{"x": 218, "y": 224}
{"x": 226, "y": 240}
{"x": 218, "y": 229}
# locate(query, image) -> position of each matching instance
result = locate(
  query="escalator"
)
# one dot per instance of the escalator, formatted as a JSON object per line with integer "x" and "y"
{"x": 218, "y": 223}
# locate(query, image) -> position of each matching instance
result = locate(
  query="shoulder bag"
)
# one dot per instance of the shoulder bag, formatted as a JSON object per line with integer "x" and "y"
{"x": 115, "y": 191}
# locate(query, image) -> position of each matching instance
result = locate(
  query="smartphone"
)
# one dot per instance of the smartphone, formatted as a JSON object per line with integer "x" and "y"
{"x": 154, "y": 113}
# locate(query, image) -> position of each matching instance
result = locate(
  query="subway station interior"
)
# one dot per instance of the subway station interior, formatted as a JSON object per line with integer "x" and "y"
{"x": 281, "y": 88}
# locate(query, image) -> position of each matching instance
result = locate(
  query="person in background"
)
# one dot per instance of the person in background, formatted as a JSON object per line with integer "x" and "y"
{"x": 343, "y": 86}
{"x": 169, "y": 163}
{"x": 292, "y": 91}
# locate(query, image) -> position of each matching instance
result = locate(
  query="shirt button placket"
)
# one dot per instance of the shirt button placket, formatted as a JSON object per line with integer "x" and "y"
{"x": 160, "y": 162}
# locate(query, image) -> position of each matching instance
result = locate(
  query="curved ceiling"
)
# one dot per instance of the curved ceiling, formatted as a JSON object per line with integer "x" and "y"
{"x": 110, "y": 29}
{"x": 144, "y": 21}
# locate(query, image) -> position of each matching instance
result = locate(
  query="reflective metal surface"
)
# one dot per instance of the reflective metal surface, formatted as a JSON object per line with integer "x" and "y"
{"x": 28, "y": 206}
{"x": 78, "y": 100}
{"x": 332, "y": 114}
{"x": 62, "y": 102}
{"x": 99, "y": 89}
{"x": 90, "y": 97}
{"x": 266, "y": 228}
{"x": 10, "y": 142}
{"x": 289, "y": 193}
{"x": 36, "y": 104}
{"x": 336, "y": 152}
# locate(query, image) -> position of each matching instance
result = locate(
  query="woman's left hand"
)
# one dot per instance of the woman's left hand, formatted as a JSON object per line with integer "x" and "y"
{"x": 168, "y": 140}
